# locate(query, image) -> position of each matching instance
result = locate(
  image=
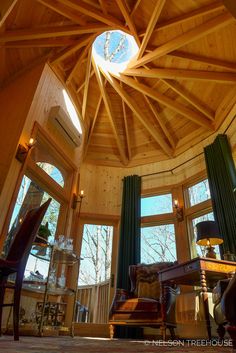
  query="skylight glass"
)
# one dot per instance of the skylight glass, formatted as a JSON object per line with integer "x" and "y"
{"x": 72, "y": 112}
{"x": 113, "y": 50}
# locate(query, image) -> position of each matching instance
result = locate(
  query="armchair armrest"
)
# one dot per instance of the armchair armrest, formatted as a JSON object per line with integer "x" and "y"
{"x": 168, "y": 300}
{"x": 120, "y": 294}
{"x": 219, "y": 289}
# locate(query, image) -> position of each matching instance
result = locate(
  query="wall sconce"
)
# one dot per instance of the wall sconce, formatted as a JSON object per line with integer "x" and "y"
{"x": 22, "y": 151}
{"x": 76, "y": 200}
{"x": 178, "y": 211}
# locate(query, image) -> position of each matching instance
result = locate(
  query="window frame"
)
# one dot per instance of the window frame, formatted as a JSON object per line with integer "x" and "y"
{"x": 37, "y": 174}
{"x": 191, "y": 212}
{"x": 160, "y": 219}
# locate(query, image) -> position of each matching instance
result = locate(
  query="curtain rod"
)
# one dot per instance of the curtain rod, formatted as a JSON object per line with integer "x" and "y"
{"x": 171, "y": 170}
{"x": 188, "y": 160}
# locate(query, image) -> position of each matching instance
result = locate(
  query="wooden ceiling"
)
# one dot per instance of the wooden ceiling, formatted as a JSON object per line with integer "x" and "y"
{"x": 176, "y": 92}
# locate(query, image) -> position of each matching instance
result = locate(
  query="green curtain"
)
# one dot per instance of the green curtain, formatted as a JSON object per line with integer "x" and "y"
{"x": 129, "y": 245}
{"x": 222, "y": 182}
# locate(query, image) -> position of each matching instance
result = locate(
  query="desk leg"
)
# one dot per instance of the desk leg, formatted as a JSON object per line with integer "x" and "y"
{"x": 205, "y": 301}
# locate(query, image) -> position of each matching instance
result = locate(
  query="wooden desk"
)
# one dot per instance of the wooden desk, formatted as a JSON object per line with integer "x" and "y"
{"x": 203, "y": 272}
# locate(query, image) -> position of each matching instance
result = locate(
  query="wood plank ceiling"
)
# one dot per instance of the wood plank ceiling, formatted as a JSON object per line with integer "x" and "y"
{"x": 175, "y": 92}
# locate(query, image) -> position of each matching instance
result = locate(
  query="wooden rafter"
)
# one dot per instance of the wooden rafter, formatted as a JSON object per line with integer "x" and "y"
{"x": 140, "y": 115}
{"x": 135, "y": 7}
{"x": 63, "y": 10}
{"x": 175, "y": 86}
{"x": 199, "y": 119}
{"x": 110, "y": 113}
{"x": 220, "y": 77}
{"x": 6, "y": 7}
{"x": 40, "y": 43}
{"x": 50, "y": 32}
{"x": 86, "y": 86}
{"x": 186, "y": 38}
{"x": 83, "y": 84}
{"x": 151, "y": 25}
{"x": 73, "y": 49}
{"x": 231, "y": 6}
{"x": 204, "y": 60}
{"x": 126, "y": 128}
{"x": 159, "y": 119}
{"x": 93, "y": 125}
{"x": 90, "y": 11}
{"x": 205, "y": 10}
{"x": 79, "y": 62}
{"x": 103, "y": 6}
{"x": 125, "y": 12}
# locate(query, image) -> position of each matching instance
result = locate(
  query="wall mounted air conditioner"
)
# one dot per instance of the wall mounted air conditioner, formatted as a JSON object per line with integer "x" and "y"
{"x": 61, "y": 120}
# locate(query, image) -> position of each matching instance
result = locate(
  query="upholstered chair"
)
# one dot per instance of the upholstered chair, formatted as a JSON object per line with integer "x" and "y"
{"x": 146, "y": 304}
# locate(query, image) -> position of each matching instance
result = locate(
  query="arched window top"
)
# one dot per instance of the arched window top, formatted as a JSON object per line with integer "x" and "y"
{"x": 53, "y": 172}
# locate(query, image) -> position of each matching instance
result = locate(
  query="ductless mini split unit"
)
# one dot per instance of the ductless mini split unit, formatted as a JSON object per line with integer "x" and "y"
{"x": 61, "y": 120}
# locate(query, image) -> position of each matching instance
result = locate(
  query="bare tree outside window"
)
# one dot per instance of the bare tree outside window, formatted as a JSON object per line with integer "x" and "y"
{"x": 199, "y": 192}
{"x": 158, "y": 244}
{"x": 96, "y": 253}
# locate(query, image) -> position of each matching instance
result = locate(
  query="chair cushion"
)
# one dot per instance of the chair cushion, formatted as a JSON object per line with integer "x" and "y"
{"x": 147, "y": 283}
{"x": 149, "y": 290}
{"x": 137, "y": 309}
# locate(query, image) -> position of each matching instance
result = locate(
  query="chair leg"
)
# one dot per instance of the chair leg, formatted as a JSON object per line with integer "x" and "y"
{"x": 2, "y": 293}
{"x": 172, "y": 332}
{"x": 163, "y": 332}
{"x": 112, "y": 331}
{"x": 221, "y": 331}
{"x": 16, "y": 309}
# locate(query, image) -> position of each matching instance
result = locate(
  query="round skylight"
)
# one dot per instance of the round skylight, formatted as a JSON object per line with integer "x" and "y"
{"x": 113, "y": 50}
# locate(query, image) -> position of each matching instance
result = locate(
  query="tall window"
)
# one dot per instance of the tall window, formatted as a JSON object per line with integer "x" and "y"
{"x": 47, "y": 175}
{"x": 199, "y": 209}
{"x": 158, "y": 230}
{"x": 96, "y": 254}
{"x": 199, "y": 192}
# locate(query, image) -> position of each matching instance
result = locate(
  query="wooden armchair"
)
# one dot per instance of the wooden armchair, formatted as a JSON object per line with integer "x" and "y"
{"x": 225, "y": 308}
{"x": 16, "y": 259}
{"x": 146, "y": 304}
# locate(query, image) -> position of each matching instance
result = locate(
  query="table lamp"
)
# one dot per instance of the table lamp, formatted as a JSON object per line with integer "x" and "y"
{"x": 207, "y": 235}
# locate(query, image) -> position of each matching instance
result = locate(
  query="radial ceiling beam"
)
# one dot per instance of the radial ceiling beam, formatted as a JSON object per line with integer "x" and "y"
{"x": 6, "y": 6}
{"x": 93, "y": 13}
{"x": 160, "y": 121}
{"x": 199, "y": 119}
{"x": 219, "y": 77}
{"x": 175, "y": 86}
{"x": 83, "y": 83}
{"x": 126, "y": 128}
{"x": 231, "y": 6}
{"x": 110, "y": 113}
{"x": 151, "y": 25}
{"x": 73, "y": 49}
{"x": 204, "y": 60}
{"x": 38, "y": 43}
{"x": 86, "y": 86}
{"x": 103, "y": 6}
{"x": 131, "y": 103}
{"x": 135, "y": 7}
{"x": 63, "y": 10}
{"x": 125, "y": 12}
{"x": 93, "y": 124}
{"x": 78, "y": 63}
{"x": 184, "y": 39}
{"x": 50, "y": 32}
{"x": 205, "y": 10}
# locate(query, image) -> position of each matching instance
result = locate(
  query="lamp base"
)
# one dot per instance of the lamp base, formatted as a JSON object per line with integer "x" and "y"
{"x": 211, "y": 252}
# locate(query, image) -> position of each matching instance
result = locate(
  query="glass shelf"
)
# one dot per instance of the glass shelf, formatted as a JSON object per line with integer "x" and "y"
{"x": 62, "y": 256}
{"x": 39, "y": 287}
